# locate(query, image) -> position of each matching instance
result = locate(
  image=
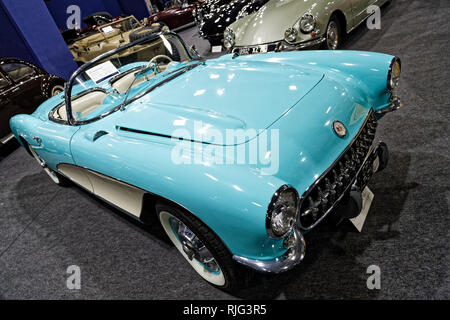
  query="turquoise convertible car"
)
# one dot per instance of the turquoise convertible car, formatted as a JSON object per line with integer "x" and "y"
{"x": 237, "y": 157}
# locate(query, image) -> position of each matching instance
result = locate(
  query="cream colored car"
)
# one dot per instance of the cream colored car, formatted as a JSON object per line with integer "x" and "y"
{"x": 112, "y": 35}
{"x": 282, "y": 25}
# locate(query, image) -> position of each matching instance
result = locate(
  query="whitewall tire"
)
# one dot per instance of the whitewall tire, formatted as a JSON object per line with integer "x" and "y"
{"x": 212, "y": 275}
{"x": 202, "y": 248}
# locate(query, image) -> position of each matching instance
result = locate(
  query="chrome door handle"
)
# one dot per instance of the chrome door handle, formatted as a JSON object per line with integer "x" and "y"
{"x": 38, "y": 140}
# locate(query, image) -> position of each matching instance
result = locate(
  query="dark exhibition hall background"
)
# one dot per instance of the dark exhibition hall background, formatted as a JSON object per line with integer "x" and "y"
{"x": 44, "y": 228}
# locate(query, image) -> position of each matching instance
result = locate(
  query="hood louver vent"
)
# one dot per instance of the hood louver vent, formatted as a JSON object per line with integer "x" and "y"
{"x": 125, "y": 129}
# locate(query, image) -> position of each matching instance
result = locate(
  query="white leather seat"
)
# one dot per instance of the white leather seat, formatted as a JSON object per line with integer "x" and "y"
{"x": 83, "y": 105}
{"x": 122, "y": 84}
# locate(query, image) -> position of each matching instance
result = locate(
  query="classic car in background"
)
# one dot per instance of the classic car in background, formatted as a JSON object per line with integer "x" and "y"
{"x": 111, "y": 35}
{"x": 92, "y": 21}
{"x": 124, "y": 135}
{"x": 214, "y": 16}
{"x": 175, "y": 17}
{"x": 292, "y": 25}
{"x": 23, "y": 87}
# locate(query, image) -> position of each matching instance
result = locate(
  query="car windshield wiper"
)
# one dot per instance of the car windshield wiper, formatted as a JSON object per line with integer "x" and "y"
{"x": 139, "y": 74}
{"x": 169, "y": 76}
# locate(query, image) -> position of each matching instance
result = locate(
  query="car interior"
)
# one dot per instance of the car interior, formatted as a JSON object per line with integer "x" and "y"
{"x": 161, "y": 51}
{"x": 82, "y": 105}
{"x": 17, "y": 71}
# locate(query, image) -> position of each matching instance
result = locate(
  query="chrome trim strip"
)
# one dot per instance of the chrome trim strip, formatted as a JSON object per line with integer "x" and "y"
{"x": 307, "y": 44}
{"x": 7, "y": 138}
{"x": 287, "y": 261}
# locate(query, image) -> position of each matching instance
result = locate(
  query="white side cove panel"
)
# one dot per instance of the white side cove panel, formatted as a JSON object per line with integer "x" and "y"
{"x": 122, "y": 195}
{"x": 77, "y": 175}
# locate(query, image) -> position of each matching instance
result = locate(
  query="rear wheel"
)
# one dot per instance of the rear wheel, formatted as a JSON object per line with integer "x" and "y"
{"x": 56, "y": 89}
{"x": 202, "y": 249}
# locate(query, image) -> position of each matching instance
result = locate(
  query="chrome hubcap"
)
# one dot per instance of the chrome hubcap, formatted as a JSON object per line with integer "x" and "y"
{"x": 192, "y": 246}
{"x": 332, "y": 36}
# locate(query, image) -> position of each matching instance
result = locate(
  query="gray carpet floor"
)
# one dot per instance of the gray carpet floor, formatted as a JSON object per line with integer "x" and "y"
{"x": 44, "y": 228}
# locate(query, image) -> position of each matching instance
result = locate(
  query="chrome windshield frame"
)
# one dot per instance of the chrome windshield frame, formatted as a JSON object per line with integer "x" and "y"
{"x": 69, "y": 84}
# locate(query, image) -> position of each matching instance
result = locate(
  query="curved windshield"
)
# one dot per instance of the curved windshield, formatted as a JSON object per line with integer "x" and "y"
{"x": 110, "y": 81}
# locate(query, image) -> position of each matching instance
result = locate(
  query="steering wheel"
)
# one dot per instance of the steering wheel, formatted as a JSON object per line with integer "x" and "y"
{"x": 159, "y": 57}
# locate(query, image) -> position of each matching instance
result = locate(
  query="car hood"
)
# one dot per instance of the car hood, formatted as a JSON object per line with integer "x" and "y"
{"x": 269, "y": 23}
{"x": 220, "y": 95}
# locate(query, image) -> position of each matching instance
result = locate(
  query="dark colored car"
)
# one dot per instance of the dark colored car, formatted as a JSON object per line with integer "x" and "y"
{"x": 213, "y": 16}
{"x": 23, "y": 87}
{"x": 98, "y": 18}
{"x": 92, "y": 21}
{"x": 174, "y": 17}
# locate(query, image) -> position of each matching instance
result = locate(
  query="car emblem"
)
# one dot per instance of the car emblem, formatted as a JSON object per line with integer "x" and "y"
{"x": 340, "y": 129}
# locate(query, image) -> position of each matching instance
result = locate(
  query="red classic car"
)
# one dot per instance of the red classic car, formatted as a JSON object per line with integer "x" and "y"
{"x": 174, "y": 17}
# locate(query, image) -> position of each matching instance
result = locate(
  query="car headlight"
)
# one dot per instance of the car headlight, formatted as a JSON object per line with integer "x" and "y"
{"x": 393, "y": 80}
{"x": 228, "y": 38}
{"x": 290, "y": 35}
{"x": 282, "y": 212}
{"x": 307, "y": 23}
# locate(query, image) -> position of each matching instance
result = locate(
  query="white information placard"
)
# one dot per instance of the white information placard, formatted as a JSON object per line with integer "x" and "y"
{"x": 102, "y": 72}
{"x": 108, "y": 29}
{"x": 216, "y": 49}
{"x": 367, "y": 197}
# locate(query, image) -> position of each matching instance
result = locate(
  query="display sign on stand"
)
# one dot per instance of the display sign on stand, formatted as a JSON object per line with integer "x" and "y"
{"x": 102, "y": 72}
